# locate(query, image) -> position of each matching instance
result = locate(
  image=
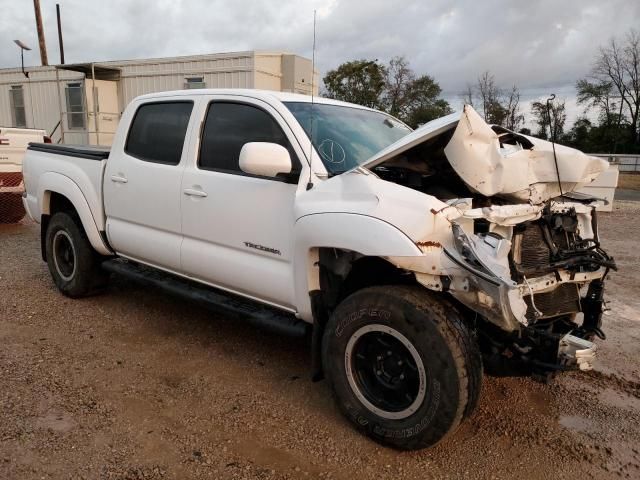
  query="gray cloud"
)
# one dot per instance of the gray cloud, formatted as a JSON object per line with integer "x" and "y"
{"x": 538, "y": 45}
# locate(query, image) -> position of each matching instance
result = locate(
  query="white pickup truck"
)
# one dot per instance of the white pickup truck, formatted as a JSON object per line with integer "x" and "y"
{"x": 13, "y": 145}
{"x": 414, "y": 259}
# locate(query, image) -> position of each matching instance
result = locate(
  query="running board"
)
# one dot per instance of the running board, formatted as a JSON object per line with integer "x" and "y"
{"x": 262, "y": 316}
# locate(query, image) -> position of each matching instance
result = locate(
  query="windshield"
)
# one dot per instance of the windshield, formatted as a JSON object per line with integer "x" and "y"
{"x": 346, "y": 137}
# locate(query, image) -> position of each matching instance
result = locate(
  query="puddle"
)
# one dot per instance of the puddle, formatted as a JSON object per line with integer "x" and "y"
{"x": 619, "y": 399}
{"x": 576, "y": 423}
{"x": 56, "y": 421}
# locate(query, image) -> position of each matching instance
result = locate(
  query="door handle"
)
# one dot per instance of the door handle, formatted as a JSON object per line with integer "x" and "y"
{"x": 117, "y": 179}
{"x": 194, "y": 193}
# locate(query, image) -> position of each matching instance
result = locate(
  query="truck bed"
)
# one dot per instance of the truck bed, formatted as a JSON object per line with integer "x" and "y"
{"x": 80, "y": 151}
{"x": 76, "y": 170}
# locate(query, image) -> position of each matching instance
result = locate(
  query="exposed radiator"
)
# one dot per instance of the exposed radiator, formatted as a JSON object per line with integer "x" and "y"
{"x": 531, "y": 251}
{"x": 564, "y": 299}
{"x": 534, "y": 251}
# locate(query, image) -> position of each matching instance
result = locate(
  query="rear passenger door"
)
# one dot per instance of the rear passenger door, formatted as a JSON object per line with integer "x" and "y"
{"x": 237, "y": 227}
{"x": 142, "y": 183}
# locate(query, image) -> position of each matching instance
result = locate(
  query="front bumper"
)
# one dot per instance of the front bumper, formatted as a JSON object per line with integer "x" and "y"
{"x": 576, "y": 351}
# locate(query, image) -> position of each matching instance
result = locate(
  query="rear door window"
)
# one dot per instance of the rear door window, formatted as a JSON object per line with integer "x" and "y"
{"x": 158, "y": 131}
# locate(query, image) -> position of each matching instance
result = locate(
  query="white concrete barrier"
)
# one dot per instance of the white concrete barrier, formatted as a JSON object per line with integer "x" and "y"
{"x": 604, "y": 187}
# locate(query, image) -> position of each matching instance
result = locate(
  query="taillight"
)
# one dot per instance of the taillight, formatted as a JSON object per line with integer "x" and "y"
{"x": 4, "y": 141}
{"x": 47, "y": 139}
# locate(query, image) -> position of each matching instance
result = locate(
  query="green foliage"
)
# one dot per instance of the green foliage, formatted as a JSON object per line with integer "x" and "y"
{"x": 360, "y": 81}
{"x": 549, "y": 119}
{"x": 612, "y": 89}
{"x": 423, "y": 102}
{"x": 394, "y": 89}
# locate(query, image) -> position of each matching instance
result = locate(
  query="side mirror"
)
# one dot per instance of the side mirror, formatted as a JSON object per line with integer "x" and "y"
{"x": 265, "y": 159}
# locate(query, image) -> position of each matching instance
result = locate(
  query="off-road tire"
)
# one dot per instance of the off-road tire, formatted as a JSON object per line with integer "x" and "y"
{"x": 445, "y": 345}
{"x": 86, "y": 277}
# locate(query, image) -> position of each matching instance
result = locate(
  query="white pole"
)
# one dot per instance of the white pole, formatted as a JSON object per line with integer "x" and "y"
{"x": 60, "y": 105}
{"x": 94, "y": 95}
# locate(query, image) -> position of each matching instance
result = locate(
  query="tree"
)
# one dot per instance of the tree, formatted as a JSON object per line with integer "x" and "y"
{"x": 424, "y": 102}
{"x": 398, "y": 82}
{"x": 358, "y": 81}
{"x": 608, "y": 135}
{"x": 489, "y": 94}
{"x": 598, "y": 95}
{"x": 394, "y": 89}
{"x": 494, "y": 104}
{"x": 513, "y": 118}
{"x": 554, "y": 117}
{"x": 613, "y": 87}
{"x": 414, "y": 100}
{"x": 581, "y": 135}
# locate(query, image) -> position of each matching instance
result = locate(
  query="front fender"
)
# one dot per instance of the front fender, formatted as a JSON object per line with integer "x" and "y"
{"x": 364, "y": 234}
{"x": 51, "y": 182}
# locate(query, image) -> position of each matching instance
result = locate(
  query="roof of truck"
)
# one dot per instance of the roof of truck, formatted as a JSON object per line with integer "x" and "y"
{"x": 253, "y": 93}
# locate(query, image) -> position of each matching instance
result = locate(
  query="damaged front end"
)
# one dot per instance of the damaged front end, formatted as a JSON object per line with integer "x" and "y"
{"x": 517, "y": 250}
{"x": 542, "y": 285}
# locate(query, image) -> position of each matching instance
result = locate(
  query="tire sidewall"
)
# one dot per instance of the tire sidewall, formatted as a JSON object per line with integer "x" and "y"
{"x": 440, "y": 408}
{"x": 80, "y": 281}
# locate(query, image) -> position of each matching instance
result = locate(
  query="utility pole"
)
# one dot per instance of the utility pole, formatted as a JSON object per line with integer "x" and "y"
{"x": 41, "y": 40}
{"x": 60, "y": 34}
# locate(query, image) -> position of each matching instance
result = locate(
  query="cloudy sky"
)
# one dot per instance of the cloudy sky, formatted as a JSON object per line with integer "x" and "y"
{"x": 542, "y": 46}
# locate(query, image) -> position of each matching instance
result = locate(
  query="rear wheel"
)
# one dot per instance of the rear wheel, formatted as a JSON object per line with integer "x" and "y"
{"x": 74, "y": 265}
{"x": 402, "y": 365}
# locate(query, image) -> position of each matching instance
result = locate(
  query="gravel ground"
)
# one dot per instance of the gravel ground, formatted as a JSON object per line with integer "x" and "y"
{"x": 132, "y": 384}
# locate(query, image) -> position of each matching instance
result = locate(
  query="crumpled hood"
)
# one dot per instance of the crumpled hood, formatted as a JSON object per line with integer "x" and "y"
{"x": 495, "y": 161}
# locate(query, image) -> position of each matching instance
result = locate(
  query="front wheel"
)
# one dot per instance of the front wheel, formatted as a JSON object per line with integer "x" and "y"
{"x": 402, "y": 365}
{"x": 73, "y": 263}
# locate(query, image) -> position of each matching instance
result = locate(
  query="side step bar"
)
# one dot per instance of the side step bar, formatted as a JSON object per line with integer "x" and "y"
{"x": 262, "y": 316}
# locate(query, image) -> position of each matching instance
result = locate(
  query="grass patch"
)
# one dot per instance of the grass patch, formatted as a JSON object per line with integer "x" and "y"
{"x": 630, "y": 181}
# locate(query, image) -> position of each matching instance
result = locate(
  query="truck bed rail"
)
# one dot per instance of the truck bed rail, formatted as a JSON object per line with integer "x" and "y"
{"x": 80, "y": 151}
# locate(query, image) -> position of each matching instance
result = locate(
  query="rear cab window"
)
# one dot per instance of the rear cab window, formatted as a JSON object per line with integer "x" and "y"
{"x": 158, "y": 131}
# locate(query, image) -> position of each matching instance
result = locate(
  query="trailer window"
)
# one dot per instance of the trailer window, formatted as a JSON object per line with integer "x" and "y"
{"x": 158, "y": 130}
{"x": 194, "y": 82}
{"x": 16, "y": 96}
{"x": 75, "y": 106}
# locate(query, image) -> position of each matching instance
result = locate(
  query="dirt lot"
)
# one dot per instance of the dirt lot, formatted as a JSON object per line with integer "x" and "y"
{"x": 132, "y": 384}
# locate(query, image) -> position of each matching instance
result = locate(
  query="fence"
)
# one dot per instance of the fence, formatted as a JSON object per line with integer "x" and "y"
{"x": 626, "y": 163}
{"x": 11, "y": 188}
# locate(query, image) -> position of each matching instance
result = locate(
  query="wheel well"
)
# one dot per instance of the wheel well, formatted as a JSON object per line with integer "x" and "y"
{"x": 57, "y": 203}
{"x": 344, "y": 272}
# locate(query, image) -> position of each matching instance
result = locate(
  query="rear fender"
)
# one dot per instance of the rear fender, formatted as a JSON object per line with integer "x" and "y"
{"x": 51, "y": 182}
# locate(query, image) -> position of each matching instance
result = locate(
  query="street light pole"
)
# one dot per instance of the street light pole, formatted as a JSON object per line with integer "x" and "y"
{"x": 23, "y": 47}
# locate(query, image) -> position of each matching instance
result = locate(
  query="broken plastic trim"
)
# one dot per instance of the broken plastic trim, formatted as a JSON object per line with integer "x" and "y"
{"x": 496, "y": 298}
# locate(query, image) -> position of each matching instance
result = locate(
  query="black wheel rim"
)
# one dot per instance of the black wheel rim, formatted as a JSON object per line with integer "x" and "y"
{"x": 386, "y": 371}
{"x": 64, "y": 255}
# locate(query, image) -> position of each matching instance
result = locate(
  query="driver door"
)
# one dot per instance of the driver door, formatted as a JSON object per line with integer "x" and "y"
{"x": 238, "y": 228}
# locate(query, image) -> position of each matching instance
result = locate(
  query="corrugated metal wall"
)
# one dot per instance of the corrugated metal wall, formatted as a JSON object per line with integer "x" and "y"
{"x": 221, "y": 71}
{"x": 227, "y": 70}
{"x": 40, "y": 96}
